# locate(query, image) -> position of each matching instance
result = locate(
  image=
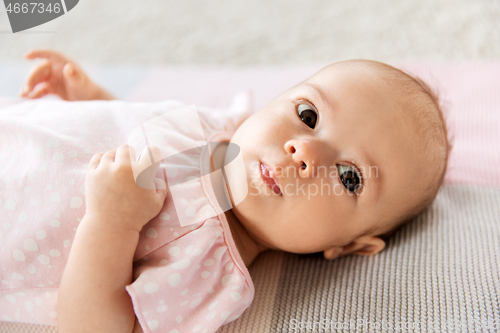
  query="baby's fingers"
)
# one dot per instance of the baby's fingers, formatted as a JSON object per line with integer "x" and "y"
{"x": 95, "y": 160}
{"x": 150, "y": 155}
{"x": 145, "y": 169}
{"x": 71, "y": 74}
{"x": 123, "y": 154}
{"x": 109, "y": 156}
{"x": 41, "y": 72}
{"x": 47, "y": 54}
{"x": 40, "y": 90}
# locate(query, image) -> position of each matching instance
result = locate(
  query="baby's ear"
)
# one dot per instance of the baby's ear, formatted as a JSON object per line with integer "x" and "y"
{"x": 364, "y": 245}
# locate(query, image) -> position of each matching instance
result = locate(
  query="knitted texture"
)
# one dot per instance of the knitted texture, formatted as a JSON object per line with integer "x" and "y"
{"x": 439, "y": 272}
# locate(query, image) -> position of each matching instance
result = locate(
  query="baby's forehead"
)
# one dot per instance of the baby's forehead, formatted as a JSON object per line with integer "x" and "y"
{"x": 385, "y": 99}
{"x": 367, "y": 79}
{"x": 364, "y": 72}
{"x": 359, "y": 85}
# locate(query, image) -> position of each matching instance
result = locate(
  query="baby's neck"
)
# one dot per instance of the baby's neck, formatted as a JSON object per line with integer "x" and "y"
{"x": 247, "y": 247}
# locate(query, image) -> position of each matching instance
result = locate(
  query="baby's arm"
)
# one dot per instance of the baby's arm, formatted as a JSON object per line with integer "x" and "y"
{"x": 92, "y": 295}
{"x": 57, "y": 74}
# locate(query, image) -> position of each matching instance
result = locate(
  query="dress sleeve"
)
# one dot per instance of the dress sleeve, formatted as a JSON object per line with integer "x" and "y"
{"x": 190, "y": 285}
{"x": 228, "y": 119}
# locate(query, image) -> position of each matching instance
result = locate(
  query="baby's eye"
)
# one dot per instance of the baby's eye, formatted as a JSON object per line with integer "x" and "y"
{"x": 307, "y": 114}
{"x": 349, "y": 178}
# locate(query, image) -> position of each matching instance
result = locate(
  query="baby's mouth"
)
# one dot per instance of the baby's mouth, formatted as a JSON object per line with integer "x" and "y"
{"x": 269, "y": 179}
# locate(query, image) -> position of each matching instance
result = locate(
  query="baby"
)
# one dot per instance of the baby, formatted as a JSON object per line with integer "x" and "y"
{"x": 333, "y": 165}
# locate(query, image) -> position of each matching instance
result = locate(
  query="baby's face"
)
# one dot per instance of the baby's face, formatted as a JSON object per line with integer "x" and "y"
{"x": 335, "y": 143}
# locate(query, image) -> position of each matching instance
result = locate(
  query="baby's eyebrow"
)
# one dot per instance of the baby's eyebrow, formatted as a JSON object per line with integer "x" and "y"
{"x": 326, "y": 98}
{"x": 319, "y": 89}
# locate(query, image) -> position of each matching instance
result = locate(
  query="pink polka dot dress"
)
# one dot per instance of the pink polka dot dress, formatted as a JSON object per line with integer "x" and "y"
{"x": 185, "y": 278}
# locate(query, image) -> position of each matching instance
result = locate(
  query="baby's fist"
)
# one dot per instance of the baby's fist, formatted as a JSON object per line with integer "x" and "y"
{"x": 112, "y": 193}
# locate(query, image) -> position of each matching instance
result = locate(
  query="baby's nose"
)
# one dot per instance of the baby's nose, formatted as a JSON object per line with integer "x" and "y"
{"x": 305, "y": 155}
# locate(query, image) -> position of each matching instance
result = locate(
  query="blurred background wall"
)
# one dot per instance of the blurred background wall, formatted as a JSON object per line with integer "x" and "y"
{"x": 250, "y": 32}
{"x": 143, "y": 50}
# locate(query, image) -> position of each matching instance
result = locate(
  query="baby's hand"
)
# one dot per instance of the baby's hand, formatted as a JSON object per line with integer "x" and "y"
{"x": 113, "y": 197}
{"x": 58, "y": 75}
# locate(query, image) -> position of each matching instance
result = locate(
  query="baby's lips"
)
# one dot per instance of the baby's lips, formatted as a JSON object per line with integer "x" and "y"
{"x": 268, "y": 171}
{"x": 276, "y": 187}
{"x": 272, "y": 174}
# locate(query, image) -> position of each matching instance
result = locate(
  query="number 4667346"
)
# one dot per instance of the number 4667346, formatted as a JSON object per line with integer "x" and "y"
{"x": 33, "y": 7}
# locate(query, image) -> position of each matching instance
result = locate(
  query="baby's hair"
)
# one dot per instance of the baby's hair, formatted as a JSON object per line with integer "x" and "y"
{"x": 427, "y": 117}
